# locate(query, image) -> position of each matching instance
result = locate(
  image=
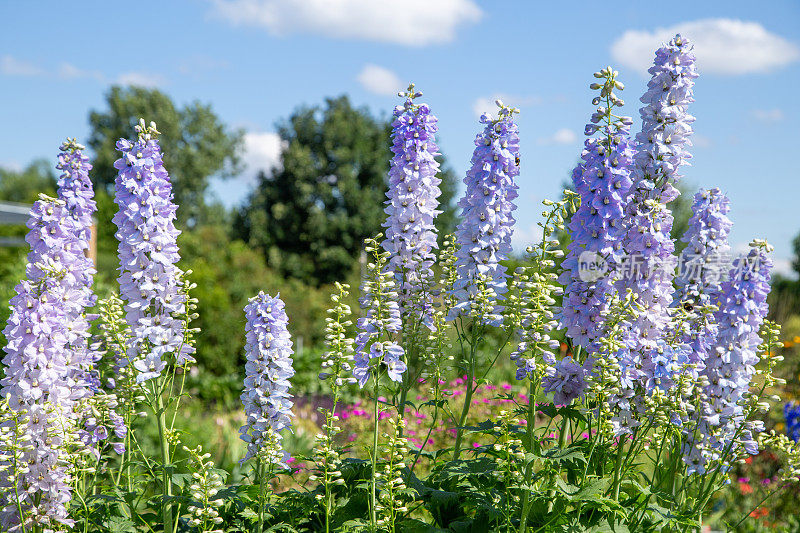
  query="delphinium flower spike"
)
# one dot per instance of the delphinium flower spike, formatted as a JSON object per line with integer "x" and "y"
{"x": 149, "y": 276}
{"x": 266, "y": 397}
{"x": 730, "y": 363}
{"x": 411, "y": 208}
{"x": 648, "y": 269}
{"x": 75, "y": 189}
{"x": 39, "y": 375}
{"x": 791, "y": 417}
{"x": 603, "y": 181}
{"x": 484, "y": 233}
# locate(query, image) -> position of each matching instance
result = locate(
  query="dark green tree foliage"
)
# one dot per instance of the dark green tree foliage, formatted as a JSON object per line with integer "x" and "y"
{"x": 228, "y": 273}
{"x": 25, "y": 186}
{"x": 195, "y": 142}
{"x": 311, "y": 216}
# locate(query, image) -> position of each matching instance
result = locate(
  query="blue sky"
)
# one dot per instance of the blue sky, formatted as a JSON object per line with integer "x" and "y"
{"x": 255, "y": 60}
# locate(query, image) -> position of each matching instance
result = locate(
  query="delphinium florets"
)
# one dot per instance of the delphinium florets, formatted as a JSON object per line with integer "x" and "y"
{"x": 376, "y": 348}
{"x": 266, "y": 397}
{"x": 704, "y": 263}
{"x": 603, "y": 181}
{"x": 75, "y": 189}
{"x": 730, "y": 364}
{"x": 150, "y": 279}
{"x": 648, "y": 268}
{"x": 411, "y": 208}
{"x": 484, "y": 233}
{"x": 40, "y": 374}
{"x": 791, "y": 416}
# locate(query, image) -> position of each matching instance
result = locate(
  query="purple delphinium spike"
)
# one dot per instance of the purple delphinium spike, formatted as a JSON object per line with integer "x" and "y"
{"x": 75, "y": 189}
{"x": 266, "y": 397}
{"x": 791, "y": 415}
{"x": 603, "y": 180}
{"x": 40, "y": 375}
{"x": 484, "y": 233}
{"x": 730, "y": 364}
{"x": 566, "y": 380}
{"x": 648, "y": 268}
{"x": 413, "y": 198}
{"x": 703, "y": 263}
{"x": 149, "y": 277}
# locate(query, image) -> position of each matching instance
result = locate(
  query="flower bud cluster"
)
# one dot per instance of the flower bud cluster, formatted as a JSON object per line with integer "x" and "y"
{"x": 532, "y": 298}
{"x": 391, "y": 499}
{"x": 206, "y": 483}
{"x": 337, "y": 360}
{"x": 375, "y": 344}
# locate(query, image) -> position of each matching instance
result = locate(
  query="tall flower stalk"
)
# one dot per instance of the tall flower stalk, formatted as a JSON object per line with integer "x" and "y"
{"x": 41, "y": 382}
{"x": 411, "y": 209}
{"x": 266, "y": 398}
{"x": 336, "y": 365}
{"x": 157, "y": 307}
{"x": 648, "y": 268}
{"x": 603, "y": 181}
{"x": 484, "y": 239}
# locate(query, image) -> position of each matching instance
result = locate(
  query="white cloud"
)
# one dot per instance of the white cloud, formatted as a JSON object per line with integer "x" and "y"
{"x": 379, "y": 80}
{"x": 486, "y": 104}
{"x": 142, "y": 79}
{"x": 410, "y": 22}
{"x": 262, "y": 151}
{"x": 10, "y": 66}
{"x": 68, "y": 71}
{"x": 701, "y": 141}
{"x": 722, "y": 46}
{"x": 562, "y": 136}
{"x": 524, "y": 237}
{"x": 767, "y": 115}
{"x": 783, "y": 267}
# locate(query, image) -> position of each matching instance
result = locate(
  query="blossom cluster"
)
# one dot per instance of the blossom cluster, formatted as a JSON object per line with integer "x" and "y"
{"x": 41, "y": 376}
{"x": 603, "y": 180}
{"x": 412, "y": 204}
{"x": 149, "y": 277}
{"x": 707, "y": 239}
{"x": 661, "y": 149}
{"x": 484, "y": 233}
{"x": 266, "y": 397}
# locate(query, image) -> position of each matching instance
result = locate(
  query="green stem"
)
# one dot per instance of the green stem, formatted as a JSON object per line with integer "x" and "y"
{"x": 166, "y": 482}
{"x": 467, "y": 396}
{"x": 618, "y": 468}
{"x": 373, "y": 499}
{"x": 261, "y": 502}
{"x": 529, "y": 429}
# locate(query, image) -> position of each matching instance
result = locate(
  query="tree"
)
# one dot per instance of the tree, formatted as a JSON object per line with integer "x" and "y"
{"x": 195, "y": 142}
{"x": 311, "y": 215}
{"x": 25, "y": 186}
